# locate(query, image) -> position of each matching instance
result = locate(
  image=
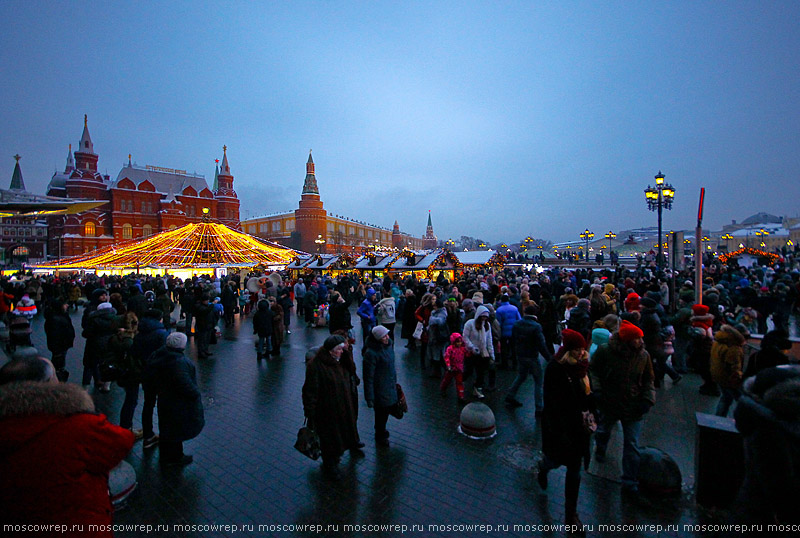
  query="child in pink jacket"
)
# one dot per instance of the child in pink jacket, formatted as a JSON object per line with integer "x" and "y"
{"x": 454, "y": 357}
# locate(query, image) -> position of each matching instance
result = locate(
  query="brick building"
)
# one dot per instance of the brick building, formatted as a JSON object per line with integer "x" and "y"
{"x": 141, "y": 201}
{"x": 310, "y": 228}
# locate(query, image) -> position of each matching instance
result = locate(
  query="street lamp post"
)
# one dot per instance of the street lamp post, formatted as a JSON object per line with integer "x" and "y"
{"x": 610, "y": 235}
{"x": 761, "y": 234}
{"x": 587, "y": 236}
{"x": 727, "y": 238}
{"x": 319, "y": 241}
{"x": 658, "y": 198}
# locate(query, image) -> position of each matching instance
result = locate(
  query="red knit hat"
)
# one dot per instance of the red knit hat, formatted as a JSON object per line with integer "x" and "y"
{"x": 572, "y": 339}
{"x": 699, "y": 310}
{"x": 632, "y": 302}
{"x": 628, "y": 331}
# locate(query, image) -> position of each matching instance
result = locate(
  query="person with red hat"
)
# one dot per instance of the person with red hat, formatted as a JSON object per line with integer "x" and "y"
{"x": 623, "y": 383}
{"x": 565, "y": 439}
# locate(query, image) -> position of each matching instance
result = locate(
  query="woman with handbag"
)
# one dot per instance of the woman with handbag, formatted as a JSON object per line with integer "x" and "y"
{"x": 380, "y": 380}
{"x": 328, "y": 404}
{"x": 568, "y": 419}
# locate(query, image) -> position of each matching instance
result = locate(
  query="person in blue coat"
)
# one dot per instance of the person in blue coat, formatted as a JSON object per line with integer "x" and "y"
{"x": 507, "y": 314}
{"x": 366, "y": 313}
{"x": 380, "y": 380}
{"x": 180, "y": 407}
{"x": 152, "y": 336}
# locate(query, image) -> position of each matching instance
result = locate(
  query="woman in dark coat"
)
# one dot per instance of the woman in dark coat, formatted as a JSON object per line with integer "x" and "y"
{"x": 409, "y": 319}
{"x": 180, "y": 407}
{"x": 564, "y": 438}
{"x": 262, "y": 327}
{"x": 328, "y": 404}
{"x": 380, "y": 379}
{"x": 60, "y": 335}
{"x": 278, "y": 335}
{"x": 100, "y": 326}
{"x": 339, "y": 312}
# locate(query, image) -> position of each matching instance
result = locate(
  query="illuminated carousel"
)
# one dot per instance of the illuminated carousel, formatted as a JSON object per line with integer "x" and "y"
{"x": 194, "y": 249}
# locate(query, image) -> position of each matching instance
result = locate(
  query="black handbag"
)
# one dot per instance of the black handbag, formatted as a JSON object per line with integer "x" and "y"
{"x": 308, "y": 442}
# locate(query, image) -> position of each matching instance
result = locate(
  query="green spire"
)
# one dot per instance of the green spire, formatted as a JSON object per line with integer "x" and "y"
{"x": 430, "y": 224}
{"x": 16, "y": 178}
{"x": 216, "y": 176}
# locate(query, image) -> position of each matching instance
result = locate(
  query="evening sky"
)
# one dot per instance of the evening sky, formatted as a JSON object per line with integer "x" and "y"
{"x": 503, "y": 118}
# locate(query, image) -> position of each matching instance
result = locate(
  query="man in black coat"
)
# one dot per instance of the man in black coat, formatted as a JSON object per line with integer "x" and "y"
{"x": 580, "y": 320}
{"x": 529, "y": 342}
{"x": 151, "y": 336}
{"x": 60, "y": 335}
{"x": 204, "y": 324}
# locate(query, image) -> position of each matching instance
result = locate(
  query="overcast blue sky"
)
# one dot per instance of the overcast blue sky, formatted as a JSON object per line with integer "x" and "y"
{"x": 503, "y": 118}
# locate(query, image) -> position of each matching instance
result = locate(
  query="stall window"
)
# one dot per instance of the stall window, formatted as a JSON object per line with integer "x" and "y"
{"x": 89, "y": 229}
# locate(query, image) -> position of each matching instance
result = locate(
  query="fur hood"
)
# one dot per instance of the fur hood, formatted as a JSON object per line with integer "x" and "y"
{"x": 729, "y": 336}
{"x": 35, "y": 398}
{"x": 771, "y": 399}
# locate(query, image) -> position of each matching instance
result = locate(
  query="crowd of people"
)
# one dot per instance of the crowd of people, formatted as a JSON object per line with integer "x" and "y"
{"x": 597, "y": 343}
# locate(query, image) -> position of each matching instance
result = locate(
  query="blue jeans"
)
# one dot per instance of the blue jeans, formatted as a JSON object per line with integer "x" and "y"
{"x": 725, "y": 401}
{"x": 366, "y": 328}
{"x": 530, "y": 366}
{"x": 630, "y": 450}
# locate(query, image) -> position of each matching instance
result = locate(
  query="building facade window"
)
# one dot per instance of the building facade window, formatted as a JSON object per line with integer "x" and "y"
{"x": 276, "y": 226}
{"x": 89, "y": 229}
{"x": 147, "y": 230}
{"x": 290, "y": 225}
{"x": 127, "y": 231}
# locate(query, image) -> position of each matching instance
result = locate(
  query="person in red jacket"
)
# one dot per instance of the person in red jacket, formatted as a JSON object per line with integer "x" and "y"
{"x": 39, "y": 484}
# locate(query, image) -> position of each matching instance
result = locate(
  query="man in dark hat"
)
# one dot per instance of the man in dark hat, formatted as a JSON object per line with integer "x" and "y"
{"x": 622, "y": 380}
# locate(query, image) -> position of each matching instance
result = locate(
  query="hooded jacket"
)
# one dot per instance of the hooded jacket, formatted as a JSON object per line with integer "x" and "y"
{"x": 727, "y": 357}
{"x": 476, "y": 338}
{"x": 380, "y": 377}
{"x": 455, "y": 356}
{"x": 262, "y": 320}
{"x": 55, "y": 456}
{"x": 768, "y": 416}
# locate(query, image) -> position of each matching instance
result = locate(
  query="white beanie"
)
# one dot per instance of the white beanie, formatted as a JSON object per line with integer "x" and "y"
{"x": 177, "y": 340}
{"x": 379, "y": 332}
{"x": 104, "y": 306}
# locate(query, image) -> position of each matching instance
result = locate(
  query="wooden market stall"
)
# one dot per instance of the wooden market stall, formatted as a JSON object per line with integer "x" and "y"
{"x": 376, "y": 264}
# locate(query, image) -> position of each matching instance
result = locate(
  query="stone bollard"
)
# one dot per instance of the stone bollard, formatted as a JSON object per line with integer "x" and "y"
{"x": 658, "y": 472}
{"x": 25, "y": 352}
{"x": 121, "y": 482}
{"x": 477, "y": 421}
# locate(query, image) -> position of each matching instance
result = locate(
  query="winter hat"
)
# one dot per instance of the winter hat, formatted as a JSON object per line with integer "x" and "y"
{"x": 104, "y": 306}
{"x": 333, "y": 341}
{"x": 98, "y": 292}
{"x": 609, "y": 289}
{"x": 176, "y": 340}
{"x": 647, "y": 302}
{"x": 629, "y": 332}
{"x": 379, "y": 332}
{"x": 477, "y": 297}
{"x": 744, "y": 283}
{"x": 572, "y": 339}
{"x": 699, "y": 310}
{"x": 632, "y": 302}
{"x": 481, "y": 311}
{"x": 370, "y": 292}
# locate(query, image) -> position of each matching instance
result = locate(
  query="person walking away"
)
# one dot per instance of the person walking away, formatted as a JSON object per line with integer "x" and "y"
{"x": 702, "y": 339}
{"x": 310, "y": 303}
{"x": 423, "y": 314}
{"x": 385, "y": 314}
{"x": 366, "y": 313}
{"x": 409, "y": 320}
{"x": 478, "y": 339}
{"x": 262, "y": 327}
{"x": 380, "y": 380}
{"x": 565, "y": 440}
{"x": 60, "y": 336}
{"x": 203, "y": 313}
{"x": 299, "y": 295}
{"x": 529, "y": 343}
{"x": 622, "y": 378}
{"x": 328, "y": 405}
{"x": 727, "y": 363}
{"x": 438, "y": 337}
{"x": 152, "y": 336}
{"x": 278, "y": 335}
{"x": 119, "y": 346}
{"x": 180, "y": 405}
{"x": 98, "y": 331}
{"x": 454, "y": 359}
{"x": 339, "y": 314}
{"x": 507, "y": 315}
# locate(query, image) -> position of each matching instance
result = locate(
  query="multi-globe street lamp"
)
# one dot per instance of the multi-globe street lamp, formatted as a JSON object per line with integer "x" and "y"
{"x": 727, "y": 238}
{"x": 319, "y": 241}
{"x": 587, "y": 236}
{"x": 658, "y": 198}
{"x": 610, "y": 235}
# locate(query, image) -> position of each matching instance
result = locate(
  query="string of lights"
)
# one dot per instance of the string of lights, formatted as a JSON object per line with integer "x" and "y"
{"x": 747, "y": 250}
{"x": 205, "y": 244}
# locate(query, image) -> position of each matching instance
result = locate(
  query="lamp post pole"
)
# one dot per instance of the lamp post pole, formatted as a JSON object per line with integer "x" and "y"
{"x": 586, "y": 236}
{"x": 658, "y": 198}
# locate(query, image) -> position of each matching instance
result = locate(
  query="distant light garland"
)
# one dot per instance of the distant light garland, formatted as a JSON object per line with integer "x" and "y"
{"x": 752, "y": 251}
{"x": 205, "y": 244}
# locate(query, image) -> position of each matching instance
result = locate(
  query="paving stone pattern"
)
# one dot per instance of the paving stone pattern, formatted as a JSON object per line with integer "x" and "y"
{"x": 246, "y": 471}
